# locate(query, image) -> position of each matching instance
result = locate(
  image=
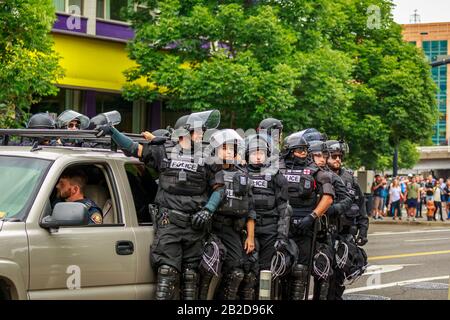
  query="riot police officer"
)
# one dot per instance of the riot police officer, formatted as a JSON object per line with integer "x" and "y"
{"x": 72, "y": 120}
{"x": 42, "y": 120}
{"x": 353, "y": 222}
{"x": 269, "y": 200}
{"x": 188, "y": 195}
{"x": 310, "y": 195}
{"x": 229, "y": 220}
{"x": 324, "y": 255}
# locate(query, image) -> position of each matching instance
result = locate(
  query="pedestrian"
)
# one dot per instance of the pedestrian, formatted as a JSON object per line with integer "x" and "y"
{"x": 422, "y": 201}
{"x": 377, "y": 189}
{"x": 412, "y": 198}
{"x": 395, "y": 194}
{"x": 447, "y": 192}
{"x": 437, "y": 192}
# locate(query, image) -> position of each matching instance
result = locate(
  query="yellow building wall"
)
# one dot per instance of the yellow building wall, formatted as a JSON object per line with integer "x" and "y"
{"x": 92, "y": 63}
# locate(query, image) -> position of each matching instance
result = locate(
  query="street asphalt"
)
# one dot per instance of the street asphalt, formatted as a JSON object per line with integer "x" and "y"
{"x": 406, "y": 261}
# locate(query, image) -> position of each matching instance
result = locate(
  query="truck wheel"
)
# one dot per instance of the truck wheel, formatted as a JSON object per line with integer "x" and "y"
{"x": 4, "y": 291}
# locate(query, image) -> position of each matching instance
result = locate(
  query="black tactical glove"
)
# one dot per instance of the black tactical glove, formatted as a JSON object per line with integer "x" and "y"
{"x": 201, "y": 219}
{"x": 104, "y": 130}
{"x": 307, "y": 222}
{"x": 361, "y": 240}
{"x": 281, "y": 244}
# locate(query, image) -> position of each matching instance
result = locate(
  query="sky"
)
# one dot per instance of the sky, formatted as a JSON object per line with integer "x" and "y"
{"x": 429, "y": 10}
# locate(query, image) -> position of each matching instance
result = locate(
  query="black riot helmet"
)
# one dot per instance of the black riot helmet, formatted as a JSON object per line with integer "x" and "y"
{"x": 335, "y": 146}
{"x": 198, "y": 120}
{"x": 295, "y": 140}
{"x": 162, "y": 133}
{"x": 270, "y": 124}
{"x": 41, "y": 121}
{"x": 312, "y": 134}
{"x": 317, "y": 146}
{"x": 112, "y": 117}
{"x": 256, "y": 142}
{"x": 204, "y": 120}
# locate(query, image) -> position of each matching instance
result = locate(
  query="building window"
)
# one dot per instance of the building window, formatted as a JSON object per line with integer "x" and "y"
{"x": 434, "y": 49}
{"x": 111, "y": 9}
{"x": 65, "y": 6}
{"x": 64, "y": 99}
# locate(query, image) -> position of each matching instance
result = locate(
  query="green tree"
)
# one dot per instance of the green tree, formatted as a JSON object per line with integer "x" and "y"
{"x": 28, "y": 65}
{"x": 391, "y": 81}
{"x": 321, "y": 63}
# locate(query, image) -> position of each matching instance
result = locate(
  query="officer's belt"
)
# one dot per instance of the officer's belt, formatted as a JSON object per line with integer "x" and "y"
{"x": 226, "y": 221}
{"x": 178, "y": 218}
{"x": 262, "y": 221}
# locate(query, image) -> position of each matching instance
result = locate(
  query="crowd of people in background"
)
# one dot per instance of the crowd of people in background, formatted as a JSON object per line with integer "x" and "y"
{"x": 413, "y": 195}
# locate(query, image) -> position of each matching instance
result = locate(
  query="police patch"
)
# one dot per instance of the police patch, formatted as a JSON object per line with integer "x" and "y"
{"x": 174, "y": 164}
{"x": 307, "y": 171}
{"x": 259, "y": 184}
{"x": 97, "y": 218}
{"x": 292, "y": 178}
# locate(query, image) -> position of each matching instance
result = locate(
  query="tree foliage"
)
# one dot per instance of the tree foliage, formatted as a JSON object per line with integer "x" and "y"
{"x": 320, "y": 63}
{"x": 28, "y": 65}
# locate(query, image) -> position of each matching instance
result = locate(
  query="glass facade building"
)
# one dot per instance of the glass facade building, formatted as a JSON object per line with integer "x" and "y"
{"x": 434, "y": 49}
{"x": 434, "y": 39}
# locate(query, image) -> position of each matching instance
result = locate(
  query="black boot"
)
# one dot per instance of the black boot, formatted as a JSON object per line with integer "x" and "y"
{"x": 205, "y": 282}
{"x": 247, "y": 289}
{"x": 231, "y": 283}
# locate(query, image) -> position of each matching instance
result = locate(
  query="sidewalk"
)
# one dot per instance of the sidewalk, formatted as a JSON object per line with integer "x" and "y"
{"x": 419, "y": 221}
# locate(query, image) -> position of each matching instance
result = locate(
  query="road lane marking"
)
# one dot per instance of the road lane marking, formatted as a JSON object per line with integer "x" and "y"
{"x": 429, "y": 239}
{"x": 406, "y": 255}
{"x": 406, "y": 232}
{"x": 384, "y": 268}
{"x": 395, "y": 284}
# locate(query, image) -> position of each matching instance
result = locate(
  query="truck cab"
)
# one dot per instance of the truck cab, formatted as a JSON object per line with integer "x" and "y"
{"x": 63, "y": 261}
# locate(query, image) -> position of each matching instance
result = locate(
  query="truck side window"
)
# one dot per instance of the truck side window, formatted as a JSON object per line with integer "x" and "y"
{"x": 143, "y": 187}
{"x": 97, "y": 189}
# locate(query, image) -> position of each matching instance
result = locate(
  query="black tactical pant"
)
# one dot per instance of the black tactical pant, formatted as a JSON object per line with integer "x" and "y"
{"x": 337, "y": 287}
{"x": 266, "y": 235}
{"x": 232, "y": 240}
{"x": 179, "y": 247}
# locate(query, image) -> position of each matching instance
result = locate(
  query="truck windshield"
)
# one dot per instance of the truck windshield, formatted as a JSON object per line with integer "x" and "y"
{"x": 20, "y": 179}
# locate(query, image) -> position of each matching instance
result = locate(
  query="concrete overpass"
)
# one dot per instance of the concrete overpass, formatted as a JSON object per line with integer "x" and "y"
{"x": 434, "y": 159}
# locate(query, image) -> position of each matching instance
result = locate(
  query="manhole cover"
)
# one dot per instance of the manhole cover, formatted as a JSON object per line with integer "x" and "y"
{"x": 364, "y": 297}
{"x": 427, "y": 286}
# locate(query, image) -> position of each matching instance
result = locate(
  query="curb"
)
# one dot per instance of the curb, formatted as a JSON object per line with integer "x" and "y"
{"x": 413, "y": 223}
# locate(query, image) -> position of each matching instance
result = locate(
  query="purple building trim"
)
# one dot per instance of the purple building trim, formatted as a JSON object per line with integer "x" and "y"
{"x": 62, "y": 23}
{"x": 114, "y": 30}
{"x": 90, "y": 108}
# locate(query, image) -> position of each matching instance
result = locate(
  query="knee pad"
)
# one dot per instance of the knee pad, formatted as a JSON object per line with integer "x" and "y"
{"x": 248, "y": 286}
{"x": 300, "y": 271}
{"x": 299, "y": 281}
{"x": 168, "y": 283}
{"x": 190, "y": 284}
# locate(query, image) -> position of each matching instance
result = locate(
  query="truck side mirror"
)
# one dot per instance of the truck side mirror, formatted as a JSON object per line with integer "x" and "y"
{"x": 66, "y": 214}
